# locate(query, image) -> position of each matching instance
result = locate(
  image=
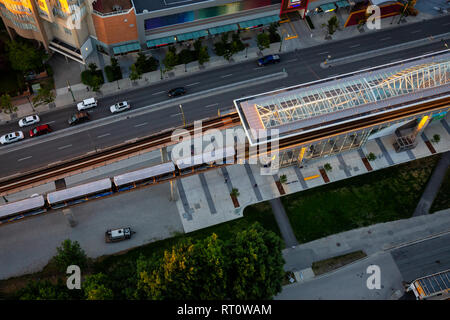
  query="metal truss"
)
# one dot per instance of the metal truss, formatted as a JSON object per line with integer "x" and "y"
{"x": 302, "y": 104}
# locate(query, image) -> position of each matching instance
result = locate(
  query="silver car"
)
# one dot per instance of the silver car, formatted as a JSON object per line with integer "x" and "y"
{"x": 11, "y": 137}
{"x": 28, "y": 121}
{"x": 120, "y": 106}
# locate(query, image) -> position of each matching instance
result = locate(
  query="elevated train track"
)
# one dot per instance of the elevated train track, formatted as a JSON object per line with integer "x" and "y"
{"x": 63, "y": 169}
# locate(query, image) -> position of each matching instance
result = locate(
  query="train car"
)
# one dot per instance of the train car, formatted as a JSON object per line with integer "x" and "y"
{"x": 205, "y": 160}
{"x": 145, "y": 176}
{"x": 81, "y": 193}
{"x": 21, "y": 209}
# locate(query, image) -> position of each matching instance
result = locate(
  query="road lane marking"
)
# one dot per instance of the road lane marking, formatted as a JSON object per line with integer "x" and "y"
{"x": 154, "y": 94}
{"x": 387, "y": 38}
{"x": 51, "y": 122}
{"x": 140, "y": 125}
{"x": 104, "y": 135}
{"x": 323, "y": 52}
{"x": 292, "y": 60}
{"x": 415, "y": 31}
{"x": 192, "y": 84}
{"x": 258, "y": 68}
{"x": 354, "y": 46}
{"x": 227, "y": 75}
{"x": 211, "y": 105}
{"x": 175, "y": 115}
{"x": 24, "y": 158}
{"x": 64, "y": 147}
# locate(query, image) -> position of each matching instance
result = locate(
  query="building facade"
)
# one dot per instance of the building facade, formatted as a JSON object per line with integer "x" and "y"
{"x": 75, "y": 28}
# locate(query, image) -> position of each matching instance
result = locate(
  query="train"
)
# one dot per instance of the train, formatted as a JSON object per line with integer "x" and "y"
{"x": 38, "y": 204}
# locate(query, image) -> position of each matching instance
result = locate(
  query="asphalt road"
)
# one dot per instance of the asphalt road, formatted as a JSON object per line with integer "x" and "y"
{"x": 302, "y": 66}
{"x": 423, "y": 258}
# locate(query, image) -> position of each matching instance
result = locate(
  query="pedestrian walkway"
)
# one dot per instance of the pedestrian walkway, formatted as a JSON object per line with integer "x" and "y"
{"x": 216, "y": 185}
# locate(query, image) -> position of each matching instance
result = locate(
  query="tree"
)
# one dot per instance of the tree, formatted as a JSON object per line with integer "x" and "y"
{"x": 327, "y": 167}
{"x": 96, "y": 83}
{"x": 70, "y": 253}
{"x": 145, "y": 64}
{"x": 235, "y": 192}
{"x": 171, "y": 59}
{"x": 6, "y": 105}
{"x": 113, "y": 71}
{"x": 134, "y": 74}
{"x": 95, "y": 288}
{"x": 332, "y": 25}
{"x": 371, "y": 156}
{"x": 92, "y": 77}
{"x": 24, "y": 57}
{"x": 92, "y": 67}
{"x": 256, "y": 264}
{"x": 185, "y": 56}
{"x": 436, "y": 138}
{"x": 263, "y": 41}
{"x": 45, "y": 95}
{"x": 273, "y": 34}
{"x": 45, "y": 290}
{"x": 203, "y": 55}
{"x": 283, "y": 178}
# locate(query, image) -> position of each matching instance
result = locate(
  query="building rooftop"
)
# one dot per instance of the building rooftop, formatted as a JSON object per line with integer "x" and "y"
{"x": 155, "y": 5}
{"x": 111, "y": 6}
{"x": 305, "y": 107}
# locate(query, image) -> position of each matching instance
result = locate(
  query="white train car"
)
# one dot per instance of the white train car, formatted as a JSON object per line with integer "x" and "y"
{"x": 205, "y": 160}
{"x": 21, "y": 209}
{"x": 81, "y": 193}
{"x": 144, "y": 176}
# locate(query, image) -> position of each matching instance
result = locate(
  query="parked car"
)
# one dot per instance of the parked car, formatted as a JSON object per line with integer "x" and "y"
{"x": 270, "y": 59}
{"x": 118, "y": 234}
{"x": 40, "y": 130}
{"x": 120, "y": 106}
{"x": 28, "y": 121}
{"x": 176, "y": 92}
{"x": 79, "y": 117}
{"x": 11, "y": 137}
{"x": 87, "y": 103}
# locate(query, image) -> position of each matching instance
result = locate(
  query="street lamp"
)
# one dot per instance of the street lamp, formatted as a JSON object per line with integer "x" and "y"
{"x": 182, "y": 115}
{"x": 70, "y": 89}
{"x": 118, "y": 88}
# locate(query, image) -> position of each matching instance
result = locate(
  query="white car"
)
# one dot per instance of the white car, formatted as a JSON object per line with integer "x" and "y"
{"x": 28, "y": 121}
{"x": 86, "y": 104}
{"x": 120, "y": 106}
{"x": 11, "y": 137}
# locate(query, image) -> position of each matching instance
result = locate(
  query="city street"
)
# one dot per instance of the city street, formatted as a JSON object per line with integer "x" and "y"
{"x": 301, "y": 66}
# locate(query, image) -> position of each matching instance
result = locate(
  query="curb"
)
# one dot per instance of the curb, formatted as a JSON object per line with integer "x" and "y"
{"x": 404, "y": 244}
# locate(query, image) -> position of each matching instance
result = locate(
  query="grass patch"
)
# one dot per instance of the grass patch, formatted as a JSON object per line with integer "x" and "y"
{"x": 384, "y": 195}
{"x": 442, "y": 200}
{"x": 324, "y": 266}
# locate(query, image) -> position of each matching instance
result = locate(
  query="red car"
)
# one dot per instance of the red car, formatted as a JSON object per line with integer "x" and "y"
{"x": 40, "y": 130}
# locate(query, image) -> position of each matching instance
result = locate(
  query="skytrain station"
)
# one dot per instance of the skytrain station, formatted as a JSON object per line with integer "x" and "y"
{"x": 331, "y": 116}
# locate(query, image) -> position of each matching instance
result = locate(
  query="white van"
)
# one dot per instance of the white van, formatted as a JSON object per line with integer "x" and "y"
{"x": 86, "y": 104}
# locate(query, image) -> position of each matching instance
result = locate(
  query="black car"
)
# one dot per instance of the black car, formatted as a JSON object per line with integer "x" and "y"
{"x": 270, "y": 59}
{"x": 176, "y": 92}
{"x": 79, "y": 117}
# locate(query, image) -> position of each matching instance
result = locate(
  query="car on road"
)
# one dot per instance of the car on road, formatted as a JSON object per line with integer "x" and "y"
{"x": 28, "y": 121}
{"x": 118, "y": 234}
{"x": 79, "y": 117}
{"x": 87, "y": 103}
{"x": 270, "y": 59}
{"x": 11, "y": 137}
{"x": 176, "y": 92}
{"x": 120, "y": 106}
{"x": 40, "y": 130}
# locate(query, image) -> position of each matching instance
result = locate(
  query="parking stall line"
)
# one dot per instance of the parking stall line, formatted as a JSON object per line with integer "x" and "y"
{"x": 64, "y": 147}
{"x": 104, "y": 135}
{"x": 25, "y": 158}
